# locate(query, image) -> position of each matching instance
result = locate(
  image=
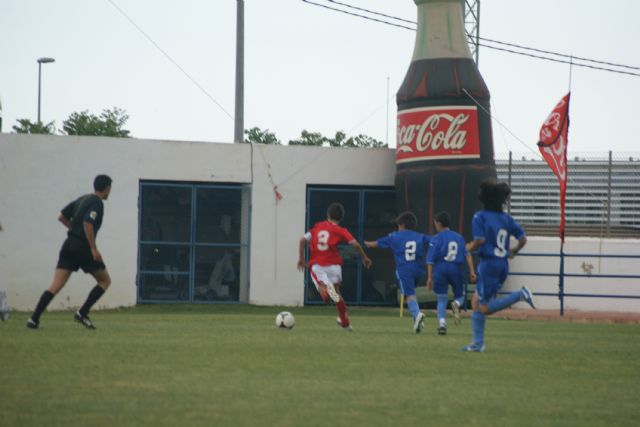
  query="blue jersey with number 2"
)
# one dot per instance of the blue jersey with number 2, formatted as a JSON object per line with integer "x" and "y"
{"x": 409, "y": 247}
{"x": 494, "y": 228}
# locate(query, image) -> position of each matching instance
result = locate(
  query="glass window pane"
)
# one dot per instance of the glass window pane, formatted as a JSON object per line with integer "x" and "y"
{"x": 350, "y": 282}
{"x": 379, "y": 284}
{"x": 163, "y": 257}
{"x": 379, "y": 214}
{"x": 319, "y": 201}
{"x": 217, "y": 273}
{"x": 166, "y": 213}
{"x": 164, "y": 287}
{"x": 218, "y": 215}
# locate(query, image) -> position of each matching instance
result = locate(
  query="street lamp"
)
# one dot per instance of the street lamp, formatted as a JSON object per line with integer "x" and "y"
{"x": 40, "y": 62}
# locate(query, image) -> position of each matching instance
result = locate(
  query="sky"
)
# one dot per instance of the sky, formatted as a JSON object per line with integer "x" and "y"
{"x": 171, "y": 66}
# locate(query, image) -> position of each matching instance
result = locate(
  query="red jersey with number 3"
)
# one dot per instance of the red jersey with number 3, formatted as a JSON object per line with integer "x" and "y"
{"x": 324, "y": 239}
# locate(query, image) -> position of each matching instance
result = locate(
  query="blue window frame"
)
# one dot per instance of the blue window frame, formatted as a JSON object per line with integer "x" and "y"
{"x": 193, "y": 242}
{"x": 369, "y": 214}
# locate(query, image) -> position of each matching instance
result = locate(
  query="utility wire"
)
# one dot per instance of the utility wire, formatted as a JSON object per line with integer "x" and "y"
{"x": 357, "y": 14}
{"x": 570, "y": 57}
{"x": 561, "y": 61}
{"x": 559, "y": 54}
{"x": 372, "y": 12}
{"x": 202, "y": 89}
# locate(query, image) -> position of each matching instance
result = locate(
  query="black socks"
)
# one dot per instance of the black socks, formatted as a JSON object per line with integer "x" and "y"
{"x": 94, "y": 296}
{"x": 44, "y": 301}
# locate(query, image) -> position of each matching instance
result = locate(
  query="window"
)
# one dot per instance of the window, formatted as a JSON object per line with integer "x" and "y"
{"x": 369, "y": 214}
{"x": 193, "y": 243}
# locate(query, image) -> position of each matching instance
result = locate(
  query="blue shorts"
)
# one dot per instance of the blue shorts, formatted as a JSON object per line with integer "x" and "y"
{"x": 445, "y": 274}
{"x": 492, "y": 272}
{"x": 409, "y": 277}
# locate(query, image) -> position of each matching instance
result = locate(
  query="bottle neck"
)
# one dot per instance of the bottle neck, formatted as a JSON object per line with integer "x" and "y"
{"x": 441, "y": 32}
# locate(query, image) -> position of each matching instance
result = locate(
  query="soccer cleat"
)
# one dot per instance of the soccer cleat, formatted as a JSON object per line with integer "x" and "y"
{"x": 528, "y": 296}
{"x": 347, "y": 328}
{"x": 86, "y": 322}
{"x": 32, "y": 324}
{"x": 455, "y": 307}
{"x": 418, "y": 323}
{"x": 477, "y": 348}
{"x": 442, "y": 330}
{"x": 333, "y": 294}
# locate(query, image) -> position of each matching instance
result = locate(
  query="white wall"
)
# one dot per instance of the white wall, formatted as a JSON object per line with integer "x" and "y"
{"x": 586, "y": 283}
{"x": 40, "y": 174}
{"x": 278, "y": 225}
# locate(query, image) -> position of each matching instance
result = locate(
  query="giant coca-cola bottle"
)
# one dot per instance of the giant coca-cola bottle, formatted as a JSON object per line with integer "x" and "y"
{"x": 444, "y": 139}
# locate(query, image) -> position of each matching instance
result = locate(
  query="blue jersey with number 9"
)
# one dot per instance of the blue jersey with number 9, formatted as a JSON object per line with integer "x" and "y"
{"x": 494, "y": 228}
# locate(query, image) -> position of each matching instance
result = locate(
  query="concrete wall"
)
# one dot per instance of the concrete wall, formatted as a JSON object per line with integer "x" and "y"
{"x": 40, "y": 174}
{"x": 585, "y": 267}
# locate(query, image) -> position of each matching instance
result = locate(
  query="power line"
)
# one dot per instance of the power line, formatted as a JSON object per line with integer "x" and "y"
{"x": 202, "y": 89}
{"x": 358, "y": 15}
{"x": 560, "y": 60}
{"x": 372, "y": 12}
{"x": 571, "y": 58}
{"x": 559, "y": 54}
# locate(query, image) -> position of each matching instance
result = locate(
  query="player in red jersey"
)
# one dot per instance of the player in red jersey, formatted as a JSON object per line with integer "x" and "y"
{"x": 325, "y": 262}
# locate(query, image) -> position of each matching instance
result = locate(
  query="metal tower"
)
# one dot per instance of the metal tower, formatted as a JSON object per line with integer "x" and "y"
{"x": 472, "y": 26}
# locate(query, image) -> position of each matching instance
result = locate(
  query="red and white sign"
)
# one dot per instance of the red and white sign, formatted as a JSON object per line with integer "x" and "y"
{"x": 435, "y": 133}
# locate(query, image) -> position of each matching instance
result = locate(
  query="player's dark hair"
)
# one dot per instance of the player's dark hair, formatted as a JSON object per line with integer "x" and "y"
{"x": 494, "y": 195}
{"x": 101, "y": 182}
{"x": 335, "y": 211}
{"x": 443, "y": 218}
{"x": 408, "y": 219}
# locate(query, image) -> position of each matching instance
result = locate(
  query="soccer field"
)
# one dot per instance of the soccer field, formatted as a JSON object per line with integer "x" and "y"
{"x": 228, "y": 365}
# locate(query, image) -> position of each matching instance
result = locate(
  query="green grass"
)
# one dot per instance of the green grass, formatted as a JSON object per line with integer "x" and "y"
{"x": 228, "y": 365}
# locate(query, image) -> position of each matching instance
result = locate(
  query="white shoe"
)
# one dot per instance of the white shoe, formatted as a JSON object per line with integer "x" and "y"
{"x": 418, "y": 324}
{"x": 455, "y": 307}
{"x": 528, "y": 296}
{"x": 333, "y": 294}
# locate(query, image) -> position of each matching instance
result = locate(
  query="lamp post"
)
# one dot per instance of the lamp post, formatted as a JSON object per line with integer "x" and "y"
{"x": 41, "y": 61}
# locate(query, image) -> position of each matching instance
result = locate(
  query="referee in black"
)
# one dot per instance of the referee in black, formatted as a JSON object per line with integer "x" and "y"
{"x": 83, "y": 218}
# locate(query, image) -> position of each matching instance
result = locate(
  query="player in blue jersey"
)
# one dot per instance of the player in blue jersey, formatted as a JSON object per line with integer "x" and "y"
{"x": 447, "y": 254}
{"x": 492, "y": 229}
{"x": 409, "y": 249}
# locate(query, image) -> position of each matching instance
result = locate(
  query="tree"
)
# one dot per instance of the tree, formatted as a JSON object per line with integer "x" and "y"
{"x": 257, "y": 136}
{"x": 339, "y": 140}
{"x": 29, "y": 127}
{"x": 109, "y": 123}
{"x": 363, "y": 141}
{"x": 310, "y": 138}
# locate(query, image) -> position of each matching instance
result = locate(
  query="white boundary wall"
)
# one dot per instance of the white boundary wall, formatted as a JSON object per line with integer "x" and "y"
{"x": 39, "y": 174}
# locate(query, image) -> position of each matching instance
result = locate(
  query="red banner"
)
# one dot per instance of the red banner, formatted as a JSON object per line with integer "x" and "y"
{"x": 553, "y": 147}
{"x": 434, "y": 133}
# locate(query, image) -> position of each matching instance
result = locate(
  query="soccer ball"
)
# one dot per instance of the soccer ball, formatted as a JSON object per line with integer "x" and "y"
{"x": 285, "y": 320}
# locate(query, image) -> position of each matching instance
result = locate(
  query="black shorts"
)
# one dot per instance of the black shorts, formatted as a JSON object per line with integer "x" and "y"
{"x": 75, "y": 253}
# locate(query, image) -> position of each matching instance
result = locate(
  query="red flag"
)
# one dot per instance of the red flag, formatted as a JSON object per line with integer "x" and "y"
{"x": 553, "y": 147}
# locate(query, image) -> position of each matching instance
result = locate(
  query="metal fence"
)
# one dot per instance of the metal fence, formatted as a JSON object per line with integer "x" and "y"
{"x": 603, "y": 193}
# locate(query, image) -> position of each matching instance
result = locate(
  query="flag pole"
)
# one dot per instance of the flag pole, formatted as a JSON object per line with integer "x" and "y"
{"x": 562, "y": 232}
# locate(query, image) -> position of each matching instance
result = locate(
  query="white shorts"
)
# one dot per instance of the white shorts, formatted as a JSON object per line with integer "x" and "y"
{"x": 326, "y": 274}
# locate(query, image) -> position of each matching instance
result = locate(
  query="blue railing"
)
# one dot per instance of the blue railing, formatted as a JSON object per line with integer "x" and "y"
{"x": 561, "y": 294}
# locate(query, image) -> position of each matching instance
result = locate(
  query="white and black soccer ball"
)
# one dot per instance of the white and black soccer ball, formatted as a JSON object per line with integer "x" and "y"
{"x": 285, "y": 320}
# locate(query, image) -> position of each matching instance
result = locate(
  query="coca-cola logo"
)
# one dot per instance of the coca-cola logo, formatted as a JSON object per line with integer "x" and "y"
{"x": 431, "y": 133}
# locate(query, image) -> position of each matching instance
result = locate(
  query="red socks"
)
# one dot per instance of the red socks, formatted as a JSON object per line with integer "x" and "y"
{"x": 342, "y": 313}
